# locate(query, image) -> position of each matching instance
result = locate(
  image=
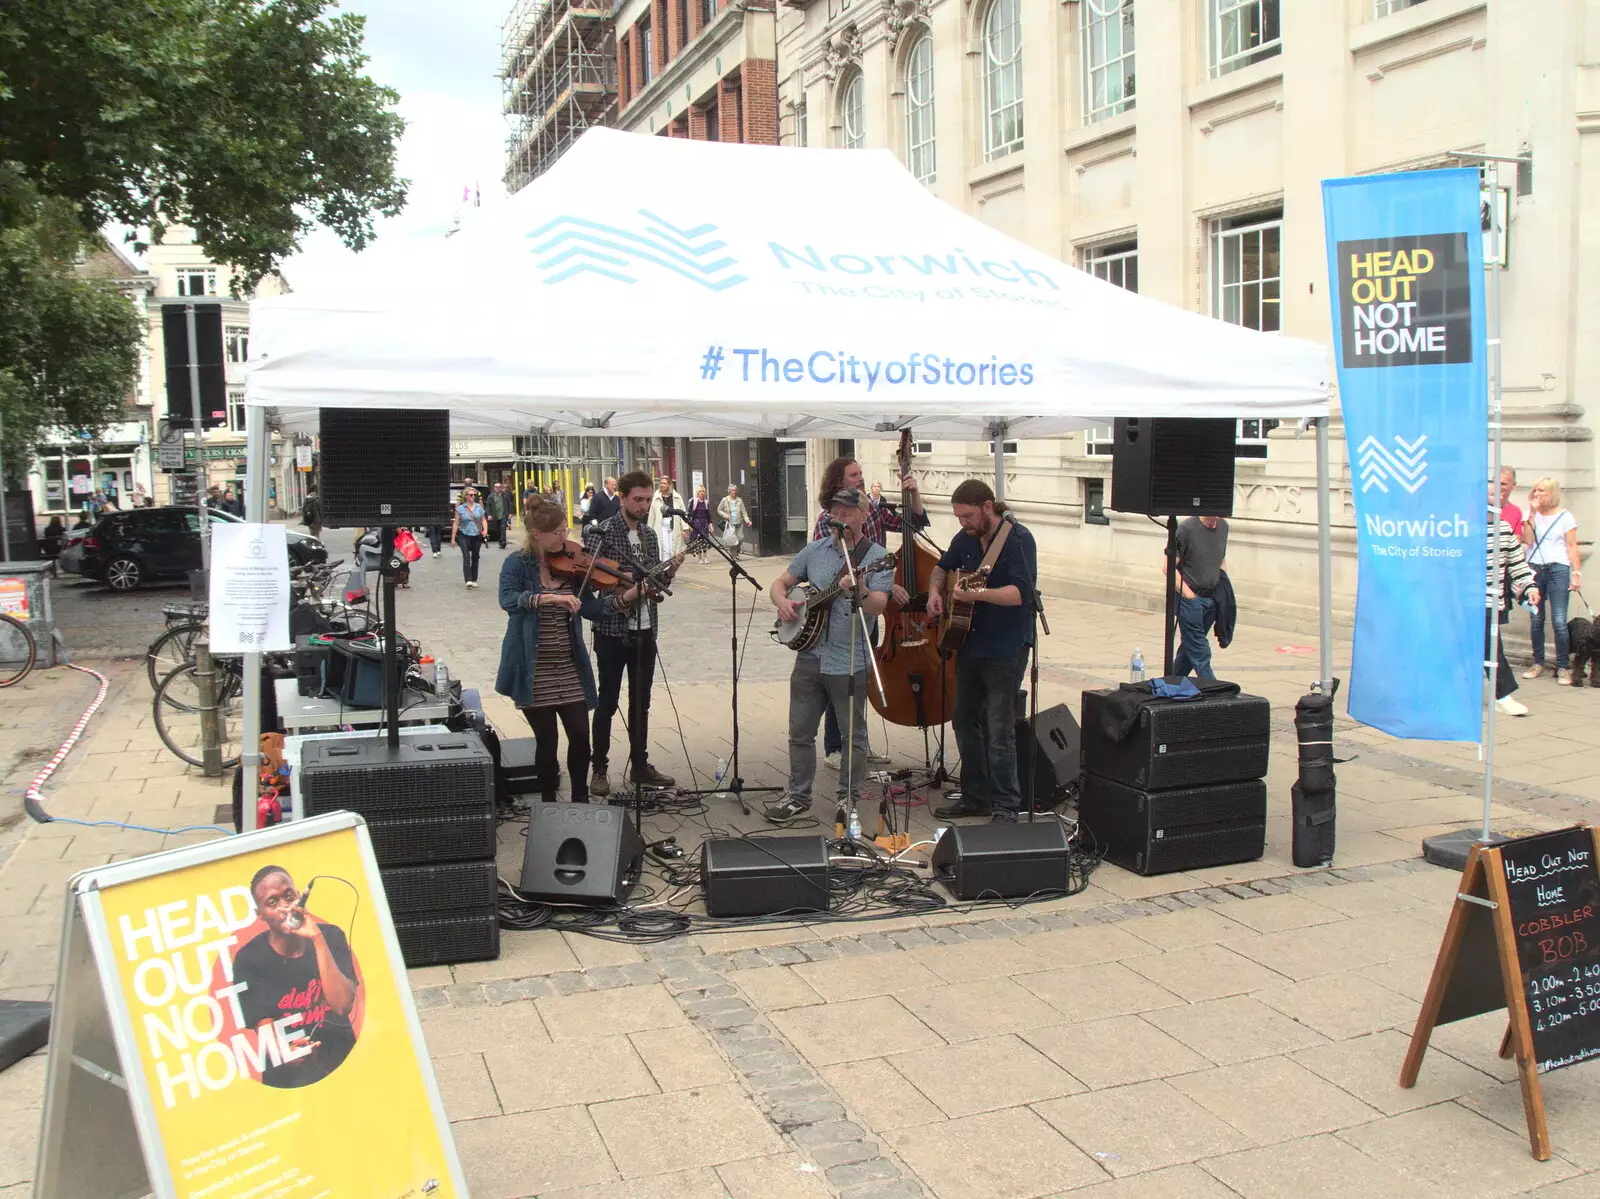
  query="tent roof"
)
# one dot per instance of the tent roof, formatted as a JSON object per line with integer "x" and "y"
{"x": 662, "y": 286}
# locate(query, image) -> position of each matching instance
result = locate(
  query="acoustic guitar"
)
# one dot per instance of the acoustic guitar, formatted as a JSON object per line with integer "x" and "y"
{"x": 956, "y": 622}
{"x": 810, "y": 624}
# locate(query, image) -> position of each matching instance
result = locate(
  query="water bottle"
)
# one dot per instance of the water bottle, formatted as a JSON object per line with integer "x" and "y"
{"x": 1136, "y": 666}
{"x": 855, "y": 825}
{"x": 441, "y": 681}
{"x": 722, "y": 773}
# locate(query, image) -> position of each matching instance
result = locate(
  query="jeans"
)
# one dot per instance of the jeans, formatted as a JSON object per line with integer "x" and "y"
{"x": 810, "y": 694}
{"x": 435, "y": 537}
{"x": 1553, "y": 579}
{"x": 1195, "y": 618}
{"x": 574, "y": 720}
{"x": 470, "y": 546}
{"x": 635, "y": 655}
{"x": 985, "y": 724}
{"x": 1505, "y": 681}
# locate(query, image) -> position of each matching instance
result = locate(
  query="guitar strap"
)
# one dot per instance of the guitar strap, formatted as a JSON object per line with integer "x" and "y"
{"x": 995, "y": 546}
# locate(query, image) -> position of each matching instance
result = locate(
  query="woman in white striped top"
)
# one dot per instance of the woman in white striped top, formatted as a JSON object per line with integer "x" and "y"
{"x": 1516, "y": 583}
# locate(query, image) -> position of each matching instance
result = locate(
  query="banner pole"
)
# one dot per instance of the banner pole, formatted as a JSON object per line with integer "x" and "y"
{"x": 1493, "y": 655}
{"x": 258, "y": 452}
{"x": 1324, "y": 559}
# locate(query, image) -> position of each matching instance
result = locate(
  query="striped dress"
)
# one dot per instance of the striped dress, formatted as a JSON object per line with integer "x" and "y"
{"x": 555, "y": 674}
{"x": 1512, "y": 559}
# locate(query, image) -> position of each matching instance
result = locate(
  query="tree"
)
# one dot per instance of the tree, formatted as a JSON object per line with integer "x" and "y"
{"x": 69, "y": 347}
{"x": 248, "y": 120}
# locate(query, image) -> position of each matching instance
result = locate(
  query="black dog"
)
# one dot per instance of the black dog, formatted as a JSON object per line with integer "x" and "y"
{"x": 1583, "y": 638}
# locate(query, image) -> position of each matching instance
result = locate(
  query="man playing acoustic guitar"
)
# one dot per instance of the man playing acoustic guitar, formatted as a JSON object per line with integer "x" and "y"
{"x": 994, "y": 655}
{"x": 822, "y": 676}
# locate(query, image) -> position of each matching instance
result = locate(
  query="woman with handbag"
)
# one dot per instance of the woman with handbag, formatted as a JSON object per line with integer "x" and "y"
{"x": 1551, "y": 535}
{"x": 734, "y": 516}
{"x": 466, "y": 530}
{"x": 544, "y": 664}
{"x": 700, "y": 523}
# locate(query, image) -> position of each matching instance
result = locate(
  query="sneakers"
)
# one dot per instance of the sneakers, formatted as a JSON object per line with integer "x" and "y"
{"x": 789, "y": 808}
{"x": 438, "y": 553}
{"x": 1002, "y": 816}
{"x": 832, "y": 759}
{"x": 1510, "y": 707}
{"x": 470, "y": 583}
{"x": 961, "y": 807}
{"x": 651, "y": 777}
{"x": 1535, "y": 671}
{"x": 876, "y": 758}
{"x": 599, "y": 784}
{"x": 1564, "y": 677}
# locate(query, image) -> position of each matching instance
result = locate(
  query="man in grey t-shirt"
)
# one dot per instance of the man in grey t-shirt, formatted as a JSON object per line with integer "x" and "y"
{"x": 1202, "y": 557}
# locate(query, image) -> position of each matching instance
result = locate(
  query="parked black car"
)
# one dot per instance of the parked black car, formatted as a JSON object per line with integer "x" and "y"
{"x": 125, "y": 550}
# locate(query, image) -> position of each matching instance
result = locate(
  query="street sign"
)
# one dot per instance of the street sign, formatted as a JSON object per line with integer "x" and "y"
{"x": 169, "y": 452}
{"x": 215, "y": 453}
{"x": 302, "y": 457}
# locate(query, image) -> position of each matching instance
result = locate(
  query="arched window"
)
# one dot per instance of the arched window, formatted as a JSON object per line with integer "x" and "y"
{"x": 1002, "y": 78}
{"x": 852, "y": 113}
{"x": 919, "y": 108}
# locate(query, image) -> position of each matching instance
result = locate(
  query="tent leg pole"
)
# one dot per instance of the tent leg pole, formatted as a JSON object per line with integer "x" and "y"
{"x": 1495, "y": 421}
{"x": 1324, "y": 560}
{"x": 998, "y": 432}
{"x": 258, "y": 460}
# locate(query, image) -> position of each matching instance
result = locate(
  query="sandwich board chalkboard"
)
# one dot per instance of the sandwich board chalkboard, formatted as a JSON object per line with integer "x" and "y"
{"x": 1524, "y": 935}
{"x": 221, "y": 1032}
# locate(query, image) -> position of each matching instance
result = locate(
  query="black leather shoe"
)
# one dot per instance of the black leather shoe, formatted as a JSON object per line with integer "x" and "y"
{"x": 960, "y": 808}
{"x": 651, "y": 777}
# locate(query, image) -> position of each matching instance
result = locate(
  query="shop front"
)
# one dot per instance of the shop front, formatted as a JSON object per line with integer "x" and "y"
{"x": 68, "y": 472}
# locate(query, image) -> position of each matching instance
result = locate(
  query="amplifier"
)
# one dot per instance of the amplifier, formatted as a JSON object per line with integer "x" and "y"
{"x": 1157, "y": 832}
{"x": 984, "y": 861}
{"x": 437, "y": 940}
{"x": 453, "y": 888}
{"x": 422, "y": 775}
{"x": 759, "y": 876}
{"x": 1179, "y": 743}
{"x": 461, "y": 834}
{"x": 516, "y": 773}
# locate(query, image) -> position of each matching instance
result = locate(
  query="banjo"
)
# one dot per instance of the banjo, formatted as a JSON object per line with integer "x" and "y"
{"x": 811, "y": 623}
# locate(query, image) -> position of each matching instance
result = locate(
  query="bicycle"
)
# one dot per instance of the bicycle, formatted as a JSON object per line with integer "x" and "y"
{"x": 176, "y": 708}
{"x": 18, "y": 652}
{"x": 175, "y": 646}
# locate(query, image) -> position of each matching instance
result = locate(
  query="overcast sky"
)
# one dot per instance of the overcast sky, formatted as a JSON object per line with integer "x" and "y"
{"x": 441, "y": 56}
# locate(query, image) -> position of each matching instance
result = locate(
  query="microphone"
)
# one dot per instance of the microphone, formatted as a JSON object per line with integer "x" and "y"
{"x": 297, "y": 914}
{"x": 836, "y": 524}
{"x": 679, "y": 512}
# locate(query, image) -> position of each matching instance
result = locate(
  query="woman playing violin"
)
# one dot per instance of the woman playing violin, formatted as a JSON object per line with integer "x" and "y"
{"x": 544, "y": 665}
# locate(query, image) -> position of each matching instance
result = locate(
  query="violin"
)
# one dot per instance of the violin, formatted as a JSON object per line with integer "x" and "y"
{"x": 573, "y": 561}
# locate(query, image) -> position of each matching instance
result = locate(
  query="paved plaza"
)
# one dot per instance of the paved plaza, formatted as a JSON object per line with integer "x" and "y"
{"x": 1230, "y": 1031}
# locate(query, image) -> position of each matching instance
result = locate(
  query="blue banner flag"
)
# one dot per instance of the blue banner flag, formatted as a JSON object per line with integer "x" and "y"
{"x": 1405, "y": 272}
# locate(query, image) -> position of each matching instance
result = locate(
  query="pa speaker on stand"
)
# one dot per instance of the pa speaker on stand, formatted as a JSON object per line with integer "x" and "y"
{"x": 385, "y": 467}
{"x": 1172, "y": 466}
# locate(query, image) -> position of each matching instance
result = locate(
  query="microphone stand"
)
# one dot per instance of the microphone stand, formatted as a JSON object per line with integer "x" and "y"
{"x": 847, "y": 763}
{"x": 735, "y": 573}
{"x": 636, "y": 707}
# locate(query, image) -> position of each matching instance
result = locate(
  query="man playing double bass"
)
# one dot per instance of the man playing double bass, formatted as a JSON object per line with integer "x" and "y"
{"x": 994, "y": 657}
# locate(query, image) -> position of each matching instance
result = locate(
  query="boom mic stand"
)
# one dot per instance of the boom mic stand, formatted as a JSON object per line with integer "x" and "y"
{"x": 735, "y": 573}
{"x": 847, "y": 763}
{"x": 655, "y": 577}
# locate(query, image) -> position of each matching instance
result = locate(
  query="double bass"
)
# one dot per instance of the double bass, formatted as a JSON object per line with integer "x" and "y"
{"x": 919, "y": 683}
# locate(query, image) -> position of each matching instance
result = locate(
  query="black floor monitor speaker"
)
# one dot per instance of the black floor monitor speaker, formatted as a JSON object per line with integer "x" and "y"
{"x": 759, "y": 876}
{"x": 1178, "y": 743}
{"x": 1187, "y": 828}
{"x": 1169, "y": 466}
{"x": 987, "y": 861}
{"x": 581, "y": 853}
{"x": 1055, "y": 764}
{"x": 385, "y": 466}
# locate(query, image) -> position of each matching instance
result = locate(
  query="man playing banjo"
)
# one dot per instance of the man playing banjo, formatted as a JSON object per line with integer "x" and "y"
{"x": 822, "y": 677}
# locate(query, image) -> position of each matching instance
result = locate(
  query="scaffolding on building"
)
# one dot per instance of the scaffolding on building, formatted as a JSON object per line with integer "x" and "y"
{"x": 558, "y": 71}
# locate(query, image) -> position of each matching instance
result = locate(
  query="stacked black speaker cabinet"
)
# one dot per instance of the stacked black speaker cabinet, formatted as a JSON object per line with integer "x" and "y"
{"x": 430, "y": 811}
{"x": 385, "y": 466}
{"x": 1184, "y": 789}
{"x": 1172, "y": 466}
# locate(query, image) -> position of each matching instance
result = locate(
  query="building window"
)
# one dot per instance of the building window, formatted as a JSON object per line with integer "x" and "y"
{"x": 1245, "y": 291}
{"x": 802, "y": 132}
{"x": 1094, "y": 502}
{"x": 713, "y": 133}
{"x": 1098, "y": 441}
{"x": 1117, "y": 264}
{"x": 708, "y": 12}
{"x": 921, "y": 447}
{"x": 683, "y": 25}
{"x": 236, "y": 411}
{"x": 647, "y": 58}
{"x": 1002, "y": 78}
{"x": 1107, "y": 58}
{"x": 852, "y": 114}
{"x": 1382, "y": 8}
{"x": 1242, "y": 32}
{"x": 1009, "y": 447}
{"x": 237, "y": 338}
{"x": 919, "y": 109}
{"x": 197, "y": 281}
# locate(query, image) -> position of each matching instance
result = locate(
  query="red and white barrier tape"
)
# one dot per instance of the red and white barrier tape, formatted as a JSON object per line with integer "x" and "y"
{"x": 33, "y": 792}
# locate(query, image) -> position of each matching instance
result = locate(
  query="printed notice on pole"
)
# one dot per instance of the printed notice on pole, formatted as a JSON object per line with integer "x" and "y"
{"x": 249, "y": 588}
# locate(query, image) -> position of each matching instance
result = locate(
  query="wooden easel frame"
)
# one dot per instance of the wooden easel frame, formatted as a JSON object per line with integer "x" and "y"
{"x": 1482, "y": 896}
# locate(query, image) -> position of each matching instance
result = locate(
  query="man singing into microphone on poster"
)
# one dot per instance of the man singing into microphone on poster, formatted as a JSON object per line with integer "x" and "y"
{"x": 298, "y": 965}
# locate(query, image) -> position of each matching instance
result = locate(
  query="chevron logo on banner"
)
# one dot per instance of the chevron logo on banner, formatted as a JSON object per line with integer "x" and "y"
{"x": 1406, "y": 464}
{"x": 569, "y": 246}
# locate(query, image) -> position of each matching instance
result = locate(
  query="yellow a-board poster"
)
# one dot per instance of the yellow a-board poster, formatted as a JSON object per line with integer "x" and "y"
{"x": 264, "y": 1028}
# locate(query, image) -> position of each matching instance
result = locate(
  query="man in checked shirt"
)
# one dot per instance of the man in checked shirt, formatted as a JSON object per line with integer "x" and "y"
{"x": 845, "y": 473}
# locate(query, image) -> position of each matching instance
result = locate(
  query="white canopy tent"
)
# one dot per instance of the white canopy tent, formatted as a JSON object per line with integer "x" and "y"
{"x": 649, "y": 286}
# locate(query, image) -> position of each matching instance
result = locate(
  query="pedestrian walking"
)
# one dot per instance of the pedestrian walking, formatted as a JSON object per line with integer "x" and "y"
{"x": 498, "y": 506}
{"x": 1516, "y": 583}
{"x": 311, "y": 513}
{"x": 583, "y": 503}
{"x": 735, "y": 517}
{"x": 544, "y": 665}
{"x": 1202, "y": 564}
{"x": 669, "y": 530}
{"x": 1509, "y": 512}
{"x": 1551, "y": 535}
{"x": 603, "y": 505}
{"x": 700, "y": 523}
{"x": 466, "y": 530}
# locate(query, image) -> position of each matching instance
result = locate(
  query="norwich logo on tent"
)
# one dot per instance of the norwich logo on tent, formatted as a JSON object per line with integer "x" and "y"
{"x": 571, "y": 245}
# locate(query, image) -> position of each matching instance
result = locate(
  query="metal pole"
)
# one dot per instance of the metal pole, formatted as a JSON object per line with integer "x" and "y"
{"x": 1170, "y": 620}
{"x": 998, "y": 429}
{"x": 5, "y": 517}
{"x": 257, "y": 459}
{"x": 201, "y": 475}
{"x": 1324, "y": 559}
{"x": 1491, "y": 658}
